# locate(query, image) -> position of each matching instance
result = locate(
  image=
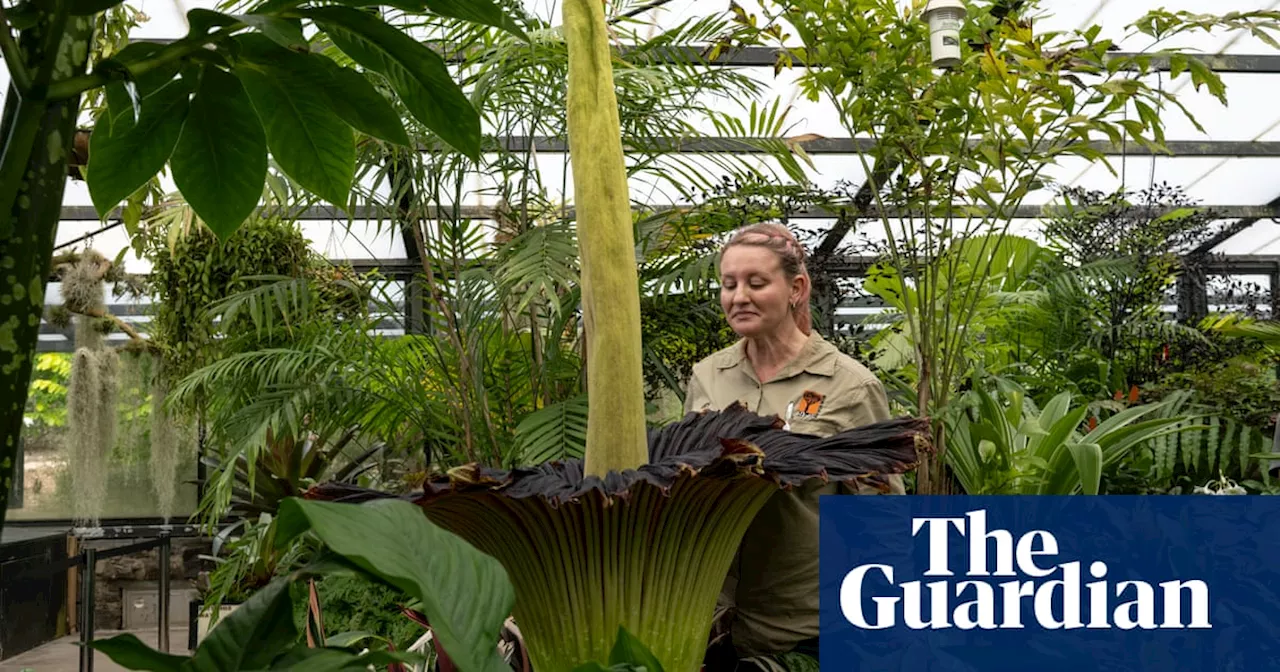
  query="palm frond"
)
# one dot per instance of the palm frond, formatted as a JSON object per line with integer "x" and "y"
{"x": 555, "y": 432}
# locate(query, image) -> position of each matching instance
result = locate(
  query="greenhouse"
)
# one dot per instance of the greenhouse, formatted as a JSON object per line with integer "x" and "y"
{"x": 441, "y": 335}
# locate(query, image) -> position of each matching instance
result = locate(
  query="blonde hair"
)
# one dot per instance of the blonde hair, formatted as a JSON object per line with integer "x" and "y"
{"x": 791, "y": 256}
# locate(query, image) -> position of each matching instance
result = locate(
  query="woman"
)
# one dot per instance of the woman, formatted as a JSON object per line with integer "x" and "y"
{"x": 781, "y": 367}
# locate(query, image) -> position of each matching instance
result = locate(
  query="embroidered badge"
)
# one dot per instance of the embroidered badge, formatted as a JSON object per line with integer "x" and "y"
{"x": 809, "y": 405}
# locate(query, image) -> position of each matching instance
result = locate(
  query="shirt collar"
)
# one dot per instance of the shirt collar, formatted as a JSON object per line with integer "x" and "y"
{"x": 817, "y": 357}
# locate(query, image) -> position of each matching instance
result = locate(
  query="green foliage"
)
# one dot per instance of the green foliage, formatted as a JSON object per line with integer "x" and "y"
{"x": 259, "y": 635}
{"x": 959, "y": 147}
{"x": 1002, "y": 443}
{"x": 193, "y": 271}
{"x": 356, "y": 604}
{"x": 239, "y": 88}
{"x": 465, "y": 594}
{"x": 47, "y": 400}
{"x": 628, "y": 654}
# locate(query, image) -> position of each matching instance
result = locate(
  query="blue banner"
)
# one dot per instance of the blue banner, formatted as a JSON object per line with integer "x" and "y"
{"x": 990, "y": 584}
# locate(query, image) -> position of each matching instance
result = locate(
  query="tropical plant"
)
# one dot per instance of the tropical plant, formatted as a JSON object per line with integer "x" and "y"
{"x": 956, "y": 149}
{"x": 675, "y": 522}
{"x": 464, "y": 593}
{"x": 212, "y": 106}
{"x": 1003, "y": 444}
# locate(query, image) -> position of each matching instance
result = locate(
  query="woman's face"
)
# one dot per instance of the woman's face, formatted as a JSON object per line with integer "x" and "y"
{"x": 754, "y": 292}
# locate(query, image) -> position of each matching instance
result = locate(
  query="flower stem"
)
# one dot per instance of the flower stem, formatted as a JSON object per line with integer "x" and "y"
{"x": 616, "y": 431}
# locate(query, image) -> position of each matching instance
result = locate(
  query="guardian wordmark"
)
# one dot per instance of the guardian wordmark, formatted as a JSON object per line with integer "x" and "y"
{"x": 993, "y": 580}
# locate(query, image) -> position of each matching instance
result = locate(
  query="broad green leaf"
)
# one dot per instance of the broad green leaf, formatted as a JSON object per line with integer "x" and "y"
{"x": 251, "y": 636}
{"x": 627, "y": 650}
{"x": 417, "y": 73}
{"x": 465, "y": 594}
{"x": 220, "y": 162}
{"x": 309, "y": 141}
{"x": 283, "y": 32}
{"x": 131, "y": 653}
{"x": 200, "y": 21}
{"x": 476, "y": 11}
{"x": 1088, "y": 460}
{"x": 344, "y": 640}
{"x": 353, "y": 97}
{"x": 124, "y": 155}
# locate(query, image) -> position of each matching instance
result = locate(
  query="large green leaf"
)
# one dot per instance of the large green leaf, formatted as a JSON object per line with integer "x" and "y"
{"x": 123, "y": 155}
{"x": 252, "y": 636}
{"x": 353, "y": 97}
{"x": 1088, "y": 461}
{"x": 418, "y": 74}
{"x": 312, "y": 144}
{"x": 475, "y": 11}
{"x": 284, "y": 32}
{"x": 465, "y": 594}
{"x": 220, "y": 162}
{"x": 131, "y": 653}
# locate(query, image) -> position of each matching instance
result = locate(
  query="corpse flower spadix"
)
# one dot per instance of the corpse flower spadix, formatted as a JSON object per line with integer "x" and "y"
{"x": 641, "y": 533}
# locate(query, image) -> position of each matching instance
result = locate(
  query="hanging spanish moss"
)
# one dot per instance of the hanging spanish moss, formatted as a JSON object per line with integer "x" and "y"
{"x": 83, "y": 295}
{"x": 165, "y": 449}
{"x": 82, "y": 284}
{"x": 135, "y": 389}
{"x": 85, "y": 446}
{"x": 108, "y": 392}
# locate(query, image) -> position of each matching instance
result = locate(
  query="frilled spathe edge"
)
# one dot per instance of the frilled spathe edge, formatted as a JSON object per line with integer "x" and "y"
{"x": 733, "y": 443}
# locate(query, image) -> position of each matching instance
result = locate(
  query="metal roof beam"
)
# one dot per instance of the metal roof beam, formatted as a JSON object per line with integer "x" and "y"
{"x": 852, "y": 146}
{"x": 85, "y": 213}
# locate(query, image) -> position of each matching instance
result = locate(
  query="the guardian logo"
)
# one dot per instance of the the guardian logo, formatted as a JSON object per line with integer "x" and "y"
{"x": 1039, "y": 591}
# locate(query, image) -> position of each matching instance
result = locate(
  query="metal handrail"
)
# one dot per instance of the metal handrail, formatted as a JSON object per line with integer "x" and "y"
{"x": 88, "y": 559}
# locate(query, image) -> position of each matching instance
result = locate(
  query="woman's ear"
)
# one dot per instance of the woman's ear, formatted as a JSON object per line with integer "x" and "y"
{"x": 800, "y": 289}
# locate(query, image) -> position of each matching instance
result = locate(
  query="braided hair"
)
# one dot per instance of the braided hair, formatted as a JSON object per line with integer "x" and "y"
{"x": 779, "y": 239}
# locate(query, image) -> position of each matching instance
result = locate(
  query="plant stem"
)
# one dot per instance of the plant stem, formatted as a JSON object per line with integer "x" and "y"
{"x": 24, "y": 129}
{"x": 13, "y": 56}
{"x": 74, "y": 86}
{"x": 28, "y": 225}
{"x": 616, "y": 432}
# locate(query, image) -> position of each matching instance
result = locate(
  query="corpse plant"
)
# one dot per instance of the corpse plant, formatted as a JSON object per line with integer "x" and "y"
{"x": 640, "y": 534}
{"x": 212, "y": 106}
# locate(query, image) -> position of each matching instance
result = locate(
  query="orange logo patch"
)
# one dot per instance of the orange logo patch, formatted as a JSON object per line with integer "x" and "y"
{"x": 810, "y": 403}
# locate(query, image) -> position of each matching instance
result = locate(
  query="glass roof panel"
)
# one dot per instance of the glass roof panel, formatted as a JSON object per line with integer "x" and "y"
{"x": 1253, "y": 113}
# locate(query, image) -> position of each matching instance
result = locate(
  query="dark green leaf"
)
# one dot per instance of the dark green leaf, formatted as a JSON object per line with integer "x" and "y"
{"x": 627, "y": 650}
{"x": 220, "y": 162}
{"x": 123, "y": 155}
{"x": 131, "y": 653}
{"x": 284, "y": 32}
{"x": 251, "y": 636}
{"x": 477, "y": 11}
{"x": 353, "y": 97}
{"x": 417, "y": 73}
{"x": 465, "y": 594}
{"x": 201, "y": 21}
{"x": 309, "y": 141}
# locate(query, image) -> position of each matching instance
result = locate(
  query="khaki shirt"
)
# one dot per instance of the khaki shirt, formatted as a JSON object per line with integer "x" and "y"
{"x": 772, "y": 586}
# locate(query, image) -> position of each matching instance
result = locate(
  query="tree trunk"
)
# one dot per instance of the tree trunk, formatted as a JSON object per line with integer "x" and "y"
{"x": 27, "y": 230}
